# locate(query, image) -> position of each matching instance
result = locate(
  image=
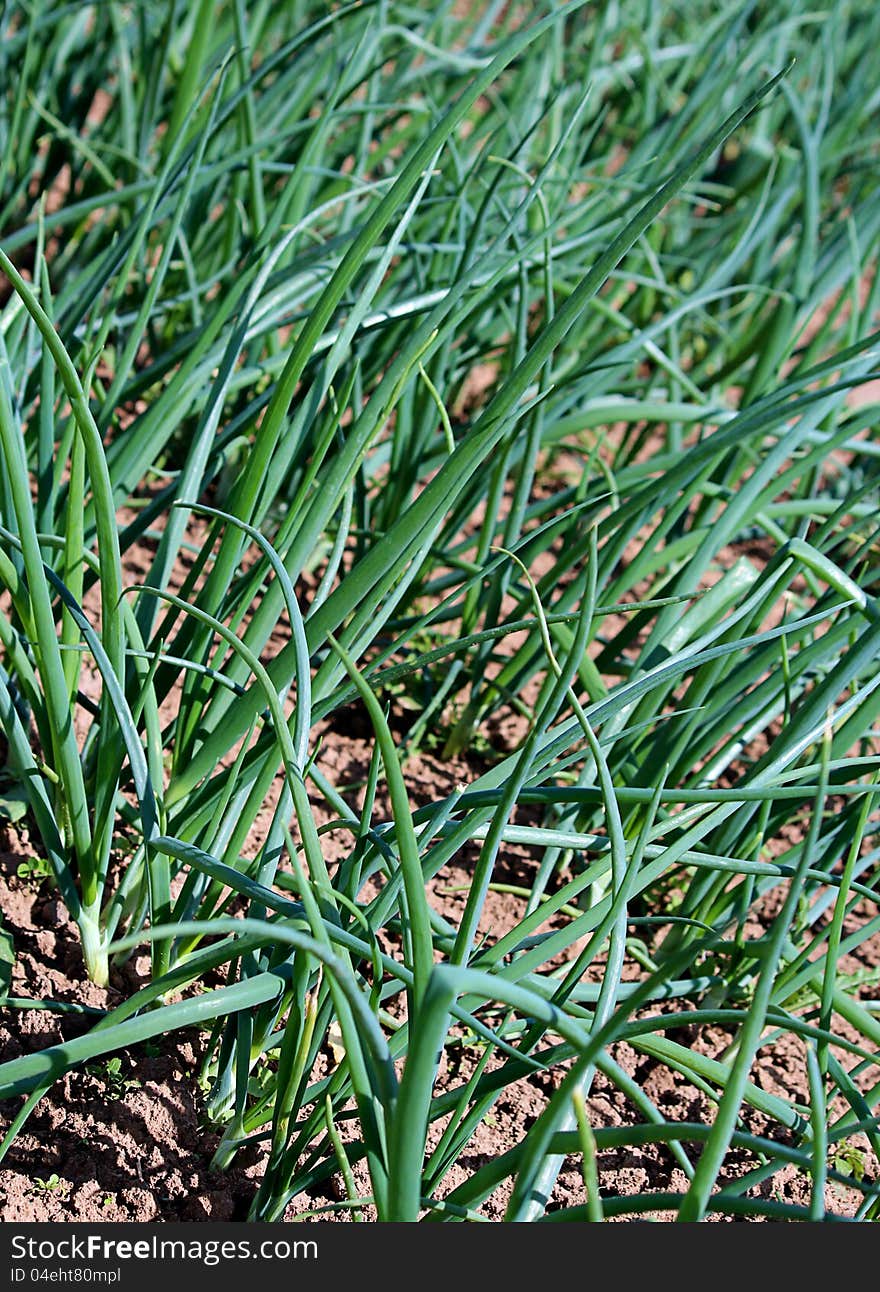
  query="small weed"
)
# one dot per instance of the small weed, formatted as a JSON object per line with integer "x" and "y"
{"x": 35, "y": 870}
{"x": 849, "y": 1160}
{"x": 112, "y": 1076}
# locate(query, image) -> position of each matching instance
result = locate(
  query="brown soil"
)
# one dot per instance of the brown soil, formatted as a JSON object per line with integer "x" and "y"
{"x": 131, "y": 1143}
